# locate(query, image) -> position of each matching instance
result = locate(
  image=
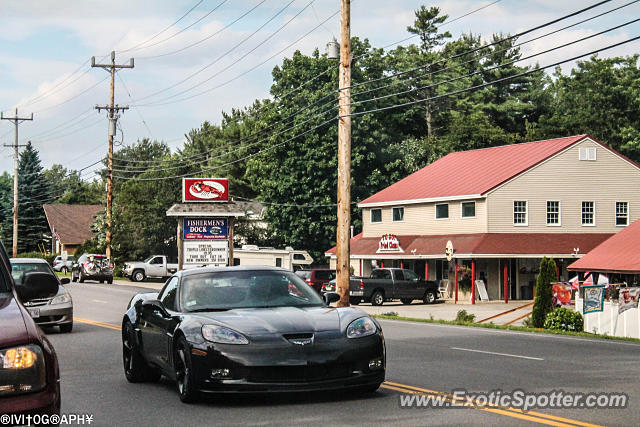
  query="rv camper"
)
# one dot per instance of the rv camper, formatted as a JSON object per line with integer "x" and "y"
{"x": 287, "y": 258}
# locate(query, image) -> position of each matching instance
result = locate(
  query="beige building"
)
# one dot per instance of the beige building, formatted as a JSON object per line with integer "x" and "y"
{"x": 502, "y": 209}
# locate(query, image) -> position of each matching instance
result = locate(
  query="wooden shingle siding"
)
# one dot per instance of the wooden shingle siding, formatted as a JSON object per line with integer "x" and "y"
{"x": 565, "y": 178}
{"x": 421, "y": 219}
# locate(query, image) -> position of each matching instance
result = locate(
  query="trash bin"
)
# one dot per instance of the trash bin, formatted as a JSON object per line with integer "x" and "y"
{"x": 526, "y": 292}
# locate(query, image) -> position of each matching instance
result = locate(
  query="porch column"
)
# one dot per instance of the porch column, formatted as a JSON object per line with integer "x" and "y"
{"x": 455, "y": 280}
{"x": 557, "y": 272}
{"x": 473, "y": 281}
{"x": 506, "y": 282}
{"x": 426, "y": 269}
{"x": 401, "y": 264}
{"x": 361, "y": 262}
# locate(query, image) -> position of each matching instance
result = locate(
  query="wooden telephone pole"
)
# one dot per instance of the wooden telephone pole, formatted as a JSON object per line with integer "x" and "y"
{"x": 16, "y": 121}
{"x": 113, "y": 118}
{"x": 344, "y": 157}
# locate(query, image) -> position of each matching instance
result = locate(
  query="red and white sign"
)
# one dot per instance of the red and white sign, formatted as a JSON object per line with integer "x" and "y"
{"x": 205, "y": 190}
{"x": 389, "y": 243}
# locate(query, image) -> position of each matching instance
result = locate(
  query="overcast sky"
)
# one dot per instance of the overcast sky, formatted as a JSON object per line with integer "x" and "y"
{"x": 46, "y": 46}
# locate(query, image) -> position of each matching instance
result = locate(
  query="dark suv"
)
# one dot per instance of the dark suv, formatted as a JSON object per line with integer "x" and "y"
{"x": 92, "y": 267}
{"x": 29, "y": 375}
{"x": 317, "y": 277}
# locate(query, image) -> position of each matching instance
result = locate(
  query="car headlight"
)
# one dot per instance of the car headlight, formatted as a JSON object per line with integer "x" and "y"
{"x": 61, "y": 299}
{"x": 222, "y": 335}
{"x": 22, "y": 370}
{"x": 361, "y": 327}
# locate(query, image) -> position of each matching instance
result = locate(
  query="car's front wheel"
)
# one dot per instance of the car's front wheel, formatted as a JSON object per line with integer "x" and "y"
{"x": 184, "y": 372}
{"x": 136, "y": 370}
{"x": 66, "y": 328}
{"x": 138, "y": 276}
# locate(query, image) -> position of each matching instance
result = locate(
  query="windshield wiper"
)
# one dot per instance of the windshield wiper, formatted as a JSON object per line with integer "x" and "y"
{"x": 200, "y": 310}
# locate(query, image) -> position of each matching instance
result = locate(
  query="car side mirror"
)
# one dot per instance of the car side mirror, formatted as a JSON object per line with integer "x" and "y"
{"x": 330, "y": 297}
{"x": 65, "y": 280}
{"x": 37, "y": 285}
{"x": 155, "y": 305}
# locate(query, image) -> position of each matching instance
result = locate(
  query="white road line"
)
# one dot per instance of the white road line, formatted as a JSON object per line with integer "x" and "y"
{"x": 100, "y": 301}
{"x": 499, "y": 354}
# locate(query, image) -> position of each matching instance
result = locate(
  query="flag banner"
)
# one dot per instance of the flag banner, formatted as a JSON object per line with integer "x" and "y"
{"x": 561, "y": 294}
{"x": 628, "y": 299}
{"x": 603, "y": 279}
{"x": 593, "y": 299}
{"x": 575, "y": 284}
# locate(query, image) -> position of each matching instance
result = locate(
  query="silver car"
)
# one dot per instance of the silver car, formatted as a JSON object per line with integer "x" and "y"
{"x": 54, "y": 311}
{"x": 60, "y": 265}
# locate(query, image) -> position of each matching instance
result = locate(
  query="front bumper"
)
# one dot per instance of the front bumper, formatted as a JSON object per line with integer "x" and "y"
{"x": 53, "y": 315}
{"x": 330, "y": 363}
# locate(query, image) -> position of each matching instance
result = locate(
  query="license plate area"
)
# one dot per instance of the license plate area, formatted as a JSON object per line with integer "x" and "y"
{"x": 34, "y": 312}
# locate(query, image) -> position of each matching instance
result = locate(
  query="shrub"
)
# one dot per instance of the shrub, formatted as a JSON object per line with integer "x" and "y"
{"x": 563, "y": 319}
{"x": 49, "y": 257}
{"x": 544, "y": 292}
{"x": 464, "y": 317}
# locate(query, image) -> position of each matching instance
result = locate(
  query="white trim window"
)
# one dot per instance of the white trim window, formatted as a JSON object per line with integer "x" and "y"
{"x": 588, "y": 215}
{"x": 398, "y": 214}
{"x": 376, "y": 215}
{"x": 587, "y": 154}
{"x": 520, "y": 213}
{"x": 468, "y": 209}
{"x": 442, "y": 210}
{"x": 553, "y": 213}
{"x": 622, "y": 214}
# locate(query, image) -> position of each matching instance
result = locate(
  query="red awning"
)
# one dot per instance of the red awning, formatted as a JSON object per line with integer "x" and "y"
{"x": 483, "y": 244}
{"x": 618, "y": 254}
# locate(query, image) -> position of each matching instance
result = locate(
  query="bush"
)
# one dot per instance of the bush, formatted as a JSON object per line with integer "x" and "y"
{"x": 464, "y": 317}
{"x": 49, "y": 257}
{"x": 563, "y": 319}
{"x": 544, "y": 292}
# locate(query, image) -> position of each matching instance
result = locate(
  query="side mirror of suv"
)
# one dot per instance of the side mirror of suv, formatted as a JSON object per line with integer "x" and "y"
{"x": 37, "y": 285}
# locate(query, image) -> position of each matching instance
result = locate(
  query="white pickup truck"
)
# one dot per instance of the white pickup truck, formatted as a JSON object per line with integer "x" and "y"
{"x": 156, "y": 266}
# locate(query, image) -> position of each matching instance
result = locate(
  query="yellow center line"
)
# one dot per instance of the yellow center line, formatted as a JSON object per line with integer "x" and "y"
{"x": 96, "y": 323}
{"x": 512, "y": 412}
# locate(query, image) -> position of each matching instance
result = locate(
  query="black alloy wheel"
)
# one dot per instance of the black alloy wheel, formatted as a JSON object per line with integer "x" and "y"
{"x": 136, "y": 370}
{"x": 377, "y": 298}
{"x": 184, "y": 372}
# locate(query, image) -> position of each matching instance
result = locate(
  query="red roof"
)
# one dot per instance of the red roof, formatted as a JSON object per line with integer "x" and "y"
{"x": 618, "y": 254}
{"x": 484, "y": 244}
{"x": 472, "y": 172}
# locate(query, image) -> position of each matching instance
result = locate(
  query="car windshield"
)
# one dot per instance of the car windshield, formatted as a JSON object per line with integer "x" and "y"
{"x": 246, "y": 289}
{"x": 19, "y": 269}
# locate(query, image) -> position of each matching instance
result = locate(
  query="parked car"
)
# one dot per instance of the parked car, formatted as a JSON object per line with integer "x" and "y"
{"x": 386, "y": 284}
{"x": 92, "y": 267}
{"x": 65, "y": 267}
{"x": 249, "y": 329}
{"x": 317, "y": 278}
{"x": 51, "y": 311}
{"x": 156, "y": 266}
{"x": 29, "y": 376}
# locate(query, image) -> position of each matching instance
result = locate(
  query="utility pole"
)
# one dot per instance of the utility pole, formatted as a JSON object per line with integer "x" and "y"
{"x": 16, "y": 121}
{"x": 344, "y": 156}
{"x": 113, "y": 118}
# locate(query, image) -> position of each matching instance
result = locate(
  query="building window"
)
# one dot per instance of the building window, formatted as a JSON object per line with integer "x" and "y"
{"x": 468, "y": 209}
{"x": 442, "y": 211}
{"x": 520, "y": 212}
{"x": 588, "y": 213}
{"x": 587, "y": 153}
{"x": 622, "y": 213}
{"x": 398, "y": 214}
{"x": 553, "y": 213}
{"x": 376, "y": 215}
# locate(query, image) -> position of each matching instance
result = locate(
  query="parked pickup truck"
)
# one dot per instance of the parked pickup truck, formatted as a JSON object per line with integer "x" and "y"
{"x": 386, "y": 284}
{"x": 155, "y": 266}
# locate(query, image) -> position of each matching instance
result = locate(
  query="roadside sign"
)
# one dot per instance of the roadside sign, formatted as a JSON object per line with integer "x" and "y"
{"x": 205, "y": 190}
{"x": 214, "y": 253}
{"x": 205, "y": 228}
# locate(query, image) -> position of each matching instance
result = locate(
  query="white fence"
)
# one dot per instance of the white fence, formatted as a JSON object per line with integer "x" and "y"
{"x": 609, "y": 322}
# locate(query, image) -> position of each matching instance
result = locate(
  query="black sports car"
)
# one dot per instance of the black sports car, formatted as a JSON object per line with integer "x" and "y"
{"x": 249, "y": 329}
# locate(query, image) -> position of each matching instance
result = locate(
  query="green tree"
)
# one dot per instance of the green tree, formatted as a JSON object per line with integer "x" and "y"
{"x": 544, "y": 292}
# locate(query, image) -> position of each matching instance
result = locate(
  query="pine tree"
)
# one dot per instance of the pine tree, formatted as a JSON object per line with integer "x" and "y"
{"x": 544, "y": 292}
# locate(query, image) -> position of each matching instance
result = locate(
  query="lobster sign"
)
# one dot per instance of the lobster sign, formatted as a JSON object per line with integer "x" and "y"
{"x": 205, "y": 190}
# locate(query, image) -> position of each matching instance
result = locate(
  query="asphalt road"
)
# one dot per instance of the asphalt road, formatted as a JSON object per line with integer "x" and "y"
{"x": 421, "y": 358}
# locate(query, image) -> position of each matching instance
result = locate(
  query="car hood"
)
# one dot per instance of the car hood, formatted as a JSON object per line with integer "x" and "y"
{"x": 14, "y": 330}
{"x": 279, "y": 320}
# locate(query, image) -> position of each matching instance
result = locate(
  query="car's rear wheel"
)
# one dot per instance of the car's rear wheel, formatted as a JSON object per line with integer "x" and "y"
{"x": 81, "y": 277}
{"x": 184, "y": 372}
{"x": 377, "y": 298}
{"x": 429, "y": 297}
{"x": 65, "y": 270}
{"x": 354, "y": 301}
{"x": 138, "y": 276}
{"x": 73, "y": 277}
{"x": 66, "y": 328}
{"x": 135, "y": 368}
{"x": 406, "y": 301}
{"x": 110, "y": 280}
